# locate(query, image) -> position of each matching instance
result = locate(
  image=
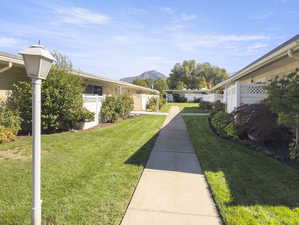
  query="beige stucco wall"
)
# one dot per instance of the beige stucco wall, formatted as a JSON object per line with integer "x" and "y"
{"x": 280, "y": 68}
{"x": 9, "y": 77}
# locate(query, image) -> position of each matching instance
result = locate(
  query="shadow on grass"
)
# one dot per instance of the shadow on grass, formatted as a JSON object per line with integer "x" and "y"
{"x": 140, "y": 157}
{"x": 170, "y": 153}
{"x": 249, "y": 178}
{"x": 192, "y": 109}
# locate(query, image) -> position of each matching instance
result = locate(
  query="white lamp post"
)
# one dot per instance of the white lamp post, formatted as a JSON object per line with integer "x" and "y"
{"x": 38, "y": 61}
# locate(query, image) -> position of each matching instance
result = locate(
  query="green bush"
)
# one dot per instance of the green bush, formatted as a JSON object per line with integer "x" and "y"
{"x": 153, "y": 104}
{"x": 179, "y": 98}
{"x": 115, "y": 107}
{"x": 162, "y": 100}
{"x": 224, "y": 123}
{"x": 218, "y": 106}
{"x": 10, "y": 119}
{"x": 6, "y": 134}
{"x": 127, "y": 105}
{"x": 205, "y": 106}
{"x": 62, "y": 102}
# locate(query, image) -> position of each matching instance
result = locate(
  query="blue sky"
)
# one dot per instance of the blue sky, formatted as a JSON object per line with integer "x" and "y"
{"x": 125, "y": 38}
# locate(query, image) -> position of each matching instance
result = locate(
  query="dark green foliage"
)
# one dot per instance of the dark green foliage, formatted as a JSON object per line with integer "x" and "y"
{"x": 153, "y": 104}
{"x": 162, "y": 100}
{"x": 224, "y": 123}
{"x": 283, "y": 100}
{"x": 218, "y": 106}
{"x": 10, "y": 118}
{"x": 205, "y": 106}
{"x": 62, "y": 102}
{"x": 141, "y": 82}
{"x": 179, "y": 98}
{"x": 127, "y": 105}
{"x": 115, "y": 107}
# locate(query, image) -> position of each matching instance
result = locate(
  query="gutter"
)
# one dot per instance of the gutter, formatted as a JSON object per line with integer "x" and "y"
{"x": 19, "y": 62}
{"x": 279, "y": 52}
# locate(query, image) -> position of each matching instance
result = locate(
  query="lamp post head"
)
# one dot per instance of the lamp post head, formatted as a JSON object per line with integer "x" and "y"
{"x": 38, "y": 61}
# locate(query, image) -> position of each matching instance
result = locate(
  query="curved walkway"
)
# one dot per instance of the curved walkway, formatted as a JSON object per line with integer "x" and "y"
{"x": 172, "y": 190}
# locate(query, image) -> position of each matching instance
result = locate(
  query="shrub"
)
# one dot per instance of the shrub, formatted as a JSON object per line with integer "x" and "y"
{"x": 162, "y": 100}
{"x": 114, "y": 108}
{"x": 10, "y": 119}
{"x": 283, "y": 100}
{"x": 6, "y": 134}
{"x": 256, "y": 122}
{"x": 205, "y": 106}
{"x": 218, "y": 106}
{"x": 62, "y": 101}
{"x": 224, "y": 123}
{"x": 127, "y": 104}
{"x": 179, "y": 98}
{"x": 153, "y": 104}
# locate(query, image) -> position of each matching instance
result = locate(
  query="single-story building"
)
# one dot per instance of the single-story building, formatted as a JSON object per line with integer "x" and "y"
{"x": 97, "y": 87}
{"x": 246, "y": 86}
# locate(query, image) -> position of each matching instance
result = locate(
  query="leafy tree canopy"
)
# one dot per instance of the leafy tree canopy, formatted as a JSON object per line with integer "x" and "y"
{"x": 192, "y": 75}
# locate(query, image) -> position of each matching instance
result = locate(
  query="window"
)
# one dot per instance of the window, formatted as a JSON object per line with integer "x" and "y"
{"x": 94, "y": 90}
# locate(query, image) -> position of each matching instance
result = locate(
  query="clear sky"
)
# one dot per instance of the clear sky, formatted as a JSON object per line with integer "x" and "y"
{"x": 127, "y": 37}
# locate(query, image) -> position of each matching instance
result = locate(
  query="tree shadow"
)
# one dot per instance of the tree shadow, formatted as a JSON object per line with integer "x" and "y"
{"x": 141, "y": 156}
{"x": 173, "y": 150}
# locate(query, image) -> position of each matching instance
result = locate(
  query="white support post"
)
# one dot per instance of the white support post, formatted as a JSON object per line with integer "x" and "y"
{"x": 36, "y": 151}
{"x": 238, "y": 94}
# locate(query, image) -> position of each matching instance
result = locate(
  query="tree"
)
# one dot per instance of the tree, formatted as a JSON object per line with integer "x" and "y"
{"x": 160, "y": 85}
{"x": 195, "y": 75}
{"x": 180, "y": 85}
{"x": 140, "y": 82}
{"x": 212, "y": 74}
{"x": 283, "y": 99}
{"x": 62, "y": 103}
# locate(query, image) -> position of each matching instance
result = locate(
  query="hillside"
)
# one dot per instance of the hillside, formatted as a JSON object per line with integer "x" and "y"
{"x": 152, "y": 74}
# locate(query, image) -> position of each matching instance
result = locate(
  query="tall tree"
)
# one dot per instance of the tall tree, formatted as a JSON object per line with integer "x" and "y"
{"x": 192, "y": 75}
{"x": 160, "y": 85}
{"x": 140, "y": 82}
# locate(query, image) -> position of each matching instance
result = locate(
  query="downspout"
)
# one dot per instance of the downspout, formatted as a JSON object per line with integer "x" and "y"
{"x": 6, "y": 68}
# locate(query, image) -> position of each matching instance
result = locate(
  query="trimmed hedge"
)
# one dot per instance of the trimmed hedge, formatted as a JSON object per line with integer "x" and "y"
{"x": 115, "y": 107}
{"x": 153, "y": 104}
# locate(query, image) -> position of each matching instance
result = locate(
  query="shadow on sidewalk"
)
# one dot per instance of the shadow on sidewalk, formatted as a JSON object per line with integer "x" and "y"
{"x": 170, "y": 150}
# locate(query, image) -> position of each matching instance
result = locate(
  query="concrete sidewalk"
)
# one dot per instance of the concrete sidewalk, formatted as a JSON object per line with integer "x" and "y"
{"x": 172, "y": 190}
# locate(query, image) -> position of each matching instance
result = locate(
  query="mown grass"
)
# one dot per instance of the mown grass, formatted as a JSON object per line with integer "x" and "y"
{"x": 249, "y": 188}
{"x": 88, "y": 177}
{"x": 184, "y": 107}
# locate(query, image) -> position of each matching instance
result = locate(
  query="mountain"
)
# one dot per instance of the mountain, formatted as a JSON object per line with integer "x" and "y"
{"x": 152, "y": 74}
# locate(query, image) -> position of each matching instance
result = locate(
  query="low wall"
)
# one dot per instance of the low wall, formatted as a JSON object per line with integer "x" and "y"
{"x": 212, "y": 97}
{"x": 94, "y": 104}
{"x": 141, "y": 100}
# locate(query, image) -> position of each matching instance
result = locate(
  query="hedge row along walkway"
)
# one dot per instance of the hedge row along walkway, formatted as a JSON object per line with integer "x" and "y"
{"x": 172, "y": 189}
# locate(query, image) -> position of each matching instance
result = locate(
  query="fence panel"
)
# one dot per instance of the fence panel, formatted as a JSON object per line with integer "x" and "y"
{"x": 94, "y": 104}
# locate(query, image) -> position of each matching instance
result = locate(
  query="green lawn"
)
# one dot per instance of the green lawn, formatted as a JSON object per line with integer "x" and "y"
{"x": 88, "y": 177}
{"x": 184, "y": 107}
{"x": 249, "y": 188}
